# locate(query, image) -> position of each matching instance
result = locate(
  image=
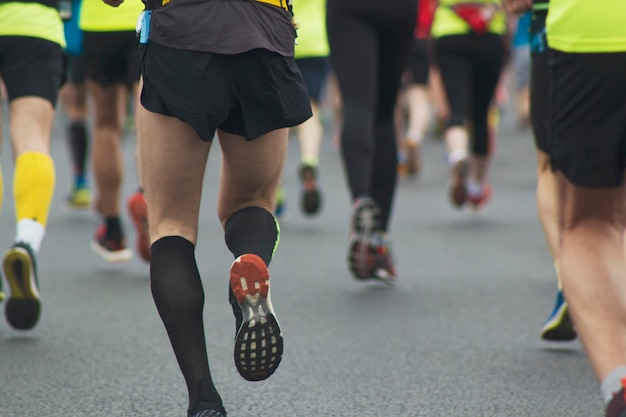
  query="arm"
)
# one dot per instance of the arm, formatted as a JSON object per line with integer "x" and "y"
{"x": 113, "y": 3}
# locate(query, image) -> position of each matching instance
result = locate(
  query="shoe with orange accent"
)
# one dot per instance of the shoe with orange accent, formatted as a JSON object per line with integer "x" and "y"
{"x": 258, "y": 339}
{"x": 138, "y": 211}
{"x": 479, "y": 200}
{"x": 110, "y": 249}
{"x": 413, "y": 162}
{"x": 310, "y": 197}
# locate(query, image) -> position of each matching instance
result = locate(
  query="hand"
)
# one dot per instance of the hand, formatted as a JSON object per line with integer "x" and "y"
{"x": 517, "y": 7}
{"x": 113, "y": 3}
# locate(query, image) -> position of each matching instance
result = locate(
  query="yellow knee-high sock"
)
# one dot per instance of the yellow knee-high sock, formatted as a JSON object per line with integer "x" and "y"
{"x": 33, "y": 186}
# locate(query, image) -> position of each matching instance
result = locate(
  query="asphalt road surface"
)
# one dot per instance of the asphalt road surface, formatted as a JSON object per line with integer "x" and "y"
{"x": 457, "y": 336}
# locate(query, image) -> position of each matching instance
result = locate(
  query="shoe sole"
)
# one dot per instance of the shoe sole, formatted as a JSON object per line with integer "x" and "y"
{"x": 311, "y": 201}
{"x": 24, "y": 306}
{"x": 81, "y": 203}
{"x": 362, "y": 256}
{"x": 119, "y": 256}
{"x": 559, "y": 328}
{"x": 208, "y": 413}
{"x": 311, "y": 197}
{"x": 139, "y": 213}
{"x": 362, "y": 259}
{"x": 458, "y": 191}
{"x": 259, "y": 341}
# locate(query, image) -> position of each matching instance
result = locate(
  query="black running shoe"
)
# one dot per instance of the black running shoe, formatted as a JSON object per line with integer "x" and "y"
{"x": 311, "y": 197}
{"x": 258, "y": 339}
{"x": 20, "y": 270}
{"x": 208, "y": 409}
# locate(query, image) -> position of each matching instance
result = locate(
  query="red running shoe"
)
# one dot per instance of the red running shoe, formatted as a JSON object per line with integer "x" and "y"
{"x": 138, "y": 210}
{"x": 112, "y": 250}
{"x": 478, "y": 201}
{"x": 258, "y": 339}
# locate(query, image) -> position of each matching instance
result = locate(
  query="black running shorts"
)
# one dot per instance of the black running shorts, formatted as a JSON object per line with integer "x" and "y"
{"x": 31, "y": 67}
{"x": 419, "y": 62}
{"x": 111, "y": 57}
{"x": 248, "y": 94}
{"x": 587, "y": 131}
{"x": 539, "y": 96}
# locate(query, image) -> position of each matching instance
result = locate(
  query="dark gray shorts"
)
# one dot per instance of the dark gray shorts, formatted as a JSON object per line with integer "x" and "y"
{"x": 31, "y": 67}
{"x": 248, "y": 94}
{"x": 587, "y": 117}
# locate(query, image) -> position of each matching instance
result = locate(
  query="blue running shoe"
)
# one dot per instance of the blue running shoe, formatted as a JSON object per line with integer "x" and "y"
{"x": 559, "y": 326}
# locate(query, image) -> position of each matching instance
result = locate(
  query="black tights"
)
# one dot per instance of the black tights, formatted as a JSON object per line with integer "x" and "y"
{"x": 369, "y": 42}
{"x": 470, "y": 67}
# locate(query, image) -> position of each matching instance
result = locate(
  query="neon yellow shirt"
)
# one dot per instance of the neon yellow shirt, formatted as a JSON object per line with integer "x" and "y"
{"x": 31, "y": 19}
{"x": 97, "y": 16}
{"x": 447, "y": 22}
{"x": 312, "y": 40}
{"x": 587, "y": 25}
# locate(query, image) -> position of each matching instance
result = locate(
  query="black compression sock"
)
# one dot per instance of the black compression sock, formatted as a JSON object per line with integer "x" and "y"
{"x": 114, "y": 227}
{"x": 179, "y": 298}
{"x": 252, "y": 230}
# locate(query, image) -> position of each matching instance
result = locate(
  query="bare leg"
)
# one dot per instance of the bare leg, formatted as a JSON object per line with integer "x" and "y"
{"x": 593, "y": 270}
{"x": 107, "y": 161}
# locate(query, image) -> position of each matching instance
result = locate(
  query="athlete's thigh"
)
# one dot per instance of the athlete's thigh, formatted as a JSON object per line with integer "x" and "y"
{"x": 603, "y": 205}
{"x": 251, "y": 171}
{"x": 30, "y": 124}
{"x": 172, "y": 161}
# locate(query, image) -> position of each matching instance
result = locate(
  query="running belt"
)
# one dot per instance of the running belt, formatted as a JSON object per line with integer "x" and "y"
{"x": 283, "y": 4}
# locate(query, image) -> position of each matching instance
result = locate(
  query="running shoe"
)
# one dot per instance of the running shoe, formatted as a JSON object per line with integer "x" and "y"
{"x": 413, "y": 161}
{"x": 208, "y": 409}
{"x": 310, "y": 197}
{"x": 110, "y": 249}
{"x": 402, "y": 164}
{"x": 617, "y": 406}
{"x": 458, "y": 178}
{"x": 362, "y": 254}
{"x": 258, "y": 339}
{"x": 138, "y": 210}
{"x": 79, "y": 198}
{"x": 384, "y": 264}
{"x": 482, "y": 198}
{"x": 20, "y": 270}
{"x": 559, "y": 326}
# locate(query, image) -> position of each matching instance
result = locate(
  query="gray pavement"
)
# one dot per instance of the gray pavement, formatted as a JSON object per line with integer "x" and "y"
{"x": 457, "y": 336}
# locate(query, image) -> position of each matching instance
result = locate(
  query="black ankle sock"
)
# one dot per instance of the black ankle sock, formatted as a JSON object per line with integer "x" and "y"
{"x": 77, "y": 131}
{"x": 252, "y": 230}
{"x": 114, "y": 227}
{"x": 179, "y": 298}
